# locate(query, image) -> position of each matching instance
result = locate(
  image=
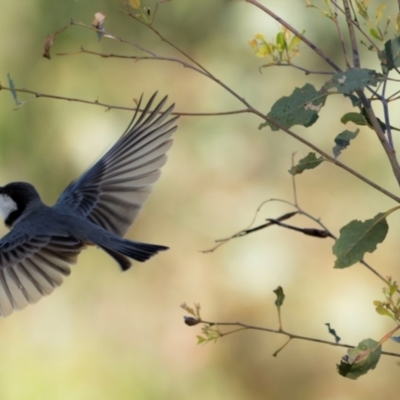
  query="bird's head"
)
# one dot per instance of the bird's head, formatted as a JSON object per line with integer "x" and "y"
{"x": 14, "y": 199}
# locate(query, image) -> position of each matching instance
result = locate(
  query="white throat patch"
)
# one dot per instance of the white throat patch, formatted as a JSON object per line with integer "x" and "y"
{"x": 7, "y": 206}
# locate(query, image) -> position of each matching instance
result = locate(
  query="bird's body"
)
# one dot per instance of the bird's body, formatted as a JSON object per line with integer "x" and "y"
{"x": 97, "y": 209}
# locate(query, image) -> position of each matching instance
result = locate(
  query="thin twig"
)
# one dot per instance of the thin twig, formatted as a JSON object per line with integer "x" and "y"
{"x": 136, "y": 58}
{"x": 299, "y": 211}
{"x": 114, "y": 107}
{"x": 288, "y": 334}
{"x": 353, "y": 39}
{"x": 341, "y": 39}
{"x": 391, "y": 154}
{"x": 386, "y": 115}
{"x": 290, "y": 64}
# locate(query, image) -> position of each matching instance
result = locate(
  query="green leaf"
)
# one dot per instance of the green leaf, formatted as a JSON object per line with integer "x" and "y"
{"x": 135, "y": 4}
{"x": 360, "y": 359}
{"x": 379, "y": 12}
{"x": 343, "y": 140}
{"x": 280, "y": 41}
{"x": 355, "y": 101}
{"x": 352, "y": 80}
{"x": 384, "y": 311}
{"x": 295, "y": 42}
{"x": 393, "y": 289}
{"x": 357, "y": 118}
{"x": 358, "y": 238}
{"x": 309, "y": 162}
{"x": 374, "y": 33}
{"x": 390, "y": 56}
{"x": 201, "y": 340}
{"x": 280, "y": 296}
{"x": 300, "y": 108}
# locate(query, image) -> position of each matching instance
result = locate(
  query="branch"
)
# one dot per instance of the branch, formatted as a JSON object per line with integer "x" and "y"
{"x": 264, "y": 117}
{"x": 353, "y": 39}
{"x": 192, "y": 321}
{"x": 340, "y": 34}
{"x": 290, "y": 64}
{"x": 114, "y": 107}
{"x": 297, "y": 33}
{"x": 300, "y": 211}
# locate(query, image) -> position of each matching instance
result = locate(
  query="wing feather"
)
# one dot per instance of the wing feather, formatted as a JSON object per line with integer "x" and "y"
{"x": 32, "y": 267}
{"x": 112, "y": 192}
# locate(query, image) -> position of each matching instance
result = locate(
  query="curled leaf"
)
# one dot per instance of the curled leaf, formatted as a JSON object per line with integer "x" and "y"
{"x": 343, "y": 140}
{"x": 309, "y": 162}
{"x": 280, "y": 296}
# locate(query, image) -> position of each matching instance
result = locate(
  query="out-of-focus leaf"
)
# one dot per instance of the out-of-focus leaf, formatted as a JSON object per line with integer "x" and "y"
{"x": 396, "y": 339}
{"x": 363, "y": 8}
{"x": 355, "y": 101}
{"x": 355, "y": 117}
{"x": 201, "y": 340}
{"x": 353, "y": 79}
{"x": 135, "y": 4}
{"x": 280, "y": 41}
{"x": 379, "y": 12}
{"x": 374, "y": 33}
{"x": 294, "y": 42}
{"x": 393, "y": 288}
{"x": 309, "y": 162}
{"x": 381, "y": 310}
{"x": 390, "y": 56}
{"x": 280, "y": 296}
{"x": 343, "y": 140}
{"x": 360, "y": 359}
{"x": 300, "y": 108}
{"x": 357, "y": 238}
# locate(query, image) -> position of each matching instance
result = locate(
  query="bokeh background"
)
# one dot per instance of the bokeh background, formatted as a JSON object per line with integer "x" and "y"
{"x": 108, "y": 335}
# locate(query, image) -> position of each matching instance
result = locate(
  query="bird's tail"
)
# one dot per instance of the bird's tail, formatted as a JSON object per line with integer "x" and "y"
{"x": 120, "y": 249}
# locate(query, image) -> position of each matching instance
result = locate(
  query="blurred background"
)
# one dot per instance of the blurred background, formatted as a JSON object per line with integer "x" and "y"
{"x": 111, "y": 335}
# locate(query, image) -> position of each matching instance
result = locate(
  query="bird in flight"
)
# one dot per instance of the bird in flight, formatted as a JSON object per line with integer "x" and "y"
{"x": 96, "y": 209}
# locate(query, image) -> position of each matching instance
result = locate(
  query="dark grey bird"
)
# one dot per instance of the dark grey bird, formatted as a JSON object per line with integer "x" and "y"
{"x": 96, "y": 209}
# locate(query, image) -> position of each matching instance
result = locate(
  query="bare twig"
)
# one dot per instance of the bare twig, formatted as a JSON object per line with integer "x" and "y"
{"x": 340, "y": 34}
{"x": 282, "y": 332}
{"x": 290, "y": 64}
{"x": 114, "y": 107}
{"x": 136, "y": 58}
{"x": 300, "y": 211}
{"x": 353, "y": 39}
{"x": 391, "y": 154}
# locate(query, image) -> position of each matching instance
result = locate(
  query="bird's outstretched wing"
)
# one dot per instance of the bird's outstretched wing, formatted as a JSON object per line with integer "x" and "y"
{"x": 32, "y": 267}
{"x": 112, "y": 192}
